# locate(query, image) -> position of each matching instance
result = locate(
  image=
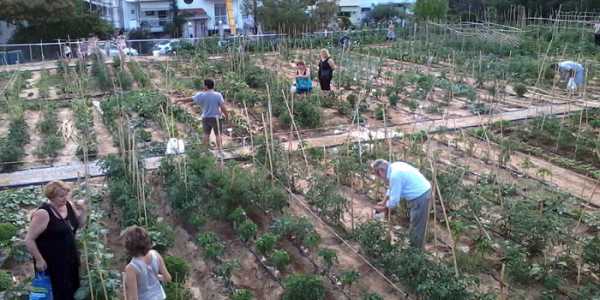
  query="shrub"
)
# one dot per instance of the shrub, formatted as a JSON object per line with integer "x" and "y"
{"x": 177, "y": 291}
{"x": 242, "y": 294}
{"x": 372, "y": 296}
{"x": 349, "y": 277}
{"x": 100, "y": 71}
{"x": 394, "y": 99}
{"x": 178, "y": 268}
{"x": 211, "y": 245}
{"x": 7, "y": 232}
{"x": 520, "y": 89}
{"x": 6, "y": 281}
{"x": 247, "y": 230}
{"x": 306, "y": 115}
{"x": 139, "y": 75}
{"x": 266, "y": 243}
{"x": 280, "y": 259}
{"x": 163, "y": 236}
{"x": 124, "y": 80}
{"x": 303, "y": 287}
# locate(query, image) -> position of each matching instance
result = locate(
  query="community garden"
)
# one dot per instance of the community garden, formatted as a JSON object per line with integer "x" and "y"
{"x": 285, "y": 212}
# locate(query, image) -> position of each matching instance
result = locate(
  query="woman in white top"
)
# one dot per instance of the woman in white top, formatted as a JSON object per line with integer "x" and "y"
{"x": 146, "y": 270}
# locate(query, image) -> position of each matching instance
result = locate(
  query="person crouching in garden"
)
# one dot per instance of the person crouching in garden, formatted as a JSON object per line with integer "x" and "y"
{"x": 405, "y": 182}
{"x": 51, "y": 239}
{"x": 303, "y": 81}
{"x": 146, "y": 271}
{"x": 326, "y": 67}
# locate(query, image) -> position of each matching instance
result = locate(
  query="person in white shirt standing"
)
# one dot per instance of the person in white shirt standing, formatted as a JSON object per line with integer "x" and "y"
{"x": 406, "y": 182}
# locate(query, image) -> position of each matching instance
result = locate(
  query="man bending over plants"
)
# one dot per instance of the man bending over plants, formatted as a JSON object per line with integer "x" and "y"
{"x": 213, "y": 108}
{"x": 405, "y": 182}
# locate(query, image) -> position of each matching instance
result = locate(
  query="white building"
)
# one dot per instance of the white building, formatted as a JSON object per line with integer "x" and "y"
{"x": 357, "y": 10}
{"x": 152, "y": 15}
{"x": 109, "y": 10}
{"x": 205, "y": 16}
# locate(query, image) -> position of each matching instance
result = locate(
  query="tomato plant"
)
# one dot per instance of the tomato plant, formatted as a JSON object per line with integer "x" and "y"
{"x": 303, "y": 287}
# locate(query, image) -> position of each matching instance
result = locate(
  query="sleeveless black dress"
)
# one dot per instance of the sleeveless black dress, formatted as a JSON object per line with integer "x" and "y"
{"x": 58, "y": 247}
{"x": 325, "y": 75}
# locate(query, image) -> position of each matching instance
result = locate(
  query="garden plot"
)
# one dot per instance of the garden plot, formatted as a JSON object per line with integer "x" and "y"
{"x": 503, "y": 197}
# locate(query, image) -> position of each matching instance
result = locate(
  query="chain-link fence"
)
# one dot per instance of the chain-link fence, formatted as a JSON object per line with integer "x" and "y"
{"x": 39, "y": 52}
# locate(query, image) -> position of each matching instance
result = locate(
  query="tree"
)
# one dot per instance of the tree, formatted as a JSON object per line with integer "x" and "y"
{"x": 325, "y": 12}
{"x": 384, "y": 12}
{"x": 289, "y": 16}
{"x": 49, "y": 20}
{"x": 431, "y": 9}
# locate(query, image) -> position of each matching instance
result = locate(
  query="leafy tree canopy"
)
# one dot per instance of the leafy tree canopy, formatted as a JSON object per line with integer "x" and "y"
{"x": 384, "y": 12}
{"x": 431, "y": 9}
{"x": 49, "y": 20}
{"x": 294, "y": 16}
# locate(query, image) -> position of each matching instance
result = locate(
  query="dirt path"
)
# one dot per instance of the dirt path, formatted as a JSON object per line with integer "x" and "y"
{"x": 32, "y": 118}
{"x": 68, "y": 153}
{"x": 566, "y": 180}
{"x": 103, "y": 137}
{"x": 4, "y": 123}
{"x": 31, "y": 91}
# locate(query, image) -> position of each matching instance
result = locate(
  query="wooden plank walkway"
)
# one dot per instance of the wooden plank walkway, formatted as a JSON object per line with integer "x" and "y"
{"x": 77, "y": 169}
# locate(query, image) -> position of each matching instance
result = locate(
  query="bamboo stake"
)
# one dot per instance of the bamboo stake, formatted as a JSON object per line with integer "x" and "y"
{"x": 447, "y": 221}
{"x": 262, "y": 115}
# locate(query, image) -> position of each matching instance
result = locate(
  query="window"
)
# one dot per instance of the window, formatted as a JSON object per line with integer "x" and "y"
{"x": 344, "y": 14}
{"x": 220, "y": 13}
{"x": 133, "y": 11}
{"x": 162, "y": 14}
{"x": 365, "y": 9}
{"x": 188, "y": 1}
{"x": 149, "y": 13}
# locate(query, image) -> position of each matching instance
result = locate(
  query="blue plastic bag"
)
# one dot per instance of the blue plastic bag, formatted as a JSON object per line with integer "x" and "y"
{"x": 303, "y": 85}
{"x": 41, "y": 288}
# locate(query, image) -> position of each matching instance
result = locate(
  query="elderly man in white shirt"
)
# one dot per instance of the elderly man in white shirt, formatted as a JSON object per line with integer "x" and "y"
{"x": 406, "y": 182}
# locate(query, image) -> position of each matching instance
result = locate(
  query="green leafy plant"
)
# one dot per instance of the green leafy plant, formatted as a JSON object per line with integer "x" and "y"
{"x": 324, "y": 196}
{"x": 372, "y": 296}
{"x": 303, "y": 287}
{"x": 329, "y": 258}
{"x": 349, "y": 277}
{"x": 6, "y": 281}
{"x": 177, "y": 291}
{"x": 266, "y": 243}
{"x": 212, "y": 246}
{"x": 242, "y": 294}
{"x": 247, "y": 230}
{"x": 7, "y": 232}
{"x": 520, "y": 89}
{"x": 281, "y": 259}
{"x": 225, "y": 270}
{"x": 178, "y": 268}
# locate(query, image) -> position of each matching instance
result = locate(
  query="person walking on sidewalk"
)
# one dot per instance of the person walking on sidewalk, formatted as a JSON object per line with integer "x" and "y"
{"x": 405, "y": 182}
{"x": 213, "y": 109}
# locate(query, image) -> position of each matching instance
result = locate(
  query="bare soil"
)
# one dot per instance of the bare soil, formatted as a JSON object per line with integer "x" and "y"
{"x": 103, "y": 136}
{"x": 32, "y": 118}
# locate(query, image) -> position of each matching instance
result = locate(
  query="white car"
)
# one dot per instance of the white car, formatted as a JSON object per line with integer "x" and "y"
{"x": 166, "y": 47}
{"x": 113, "y": 51}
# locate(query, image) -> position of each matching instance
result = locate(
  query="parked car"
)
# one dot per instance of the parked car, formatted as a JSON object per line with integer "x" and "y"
{"x": 113, "y": 51}
{"x": 167, "y": 47}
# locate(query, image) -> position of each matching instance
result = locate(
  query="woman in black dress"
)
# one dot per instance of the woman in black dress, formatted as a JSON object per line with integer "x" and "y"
{"x": 326, "y": 67}
{"x": 51, "y": 239}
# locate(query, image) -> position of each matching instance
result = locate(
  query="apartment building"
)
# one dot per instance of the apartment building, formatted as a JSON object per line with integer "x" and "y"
{"x": 357, "y": 10}
{"x": 206, "y": 15}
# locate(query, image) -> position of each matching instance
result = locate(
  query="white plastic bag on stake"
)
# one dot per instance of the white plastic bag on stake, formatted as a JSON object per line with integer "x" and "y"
{"x": 175, "y": 146}
{"x": 572, "y": 86}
